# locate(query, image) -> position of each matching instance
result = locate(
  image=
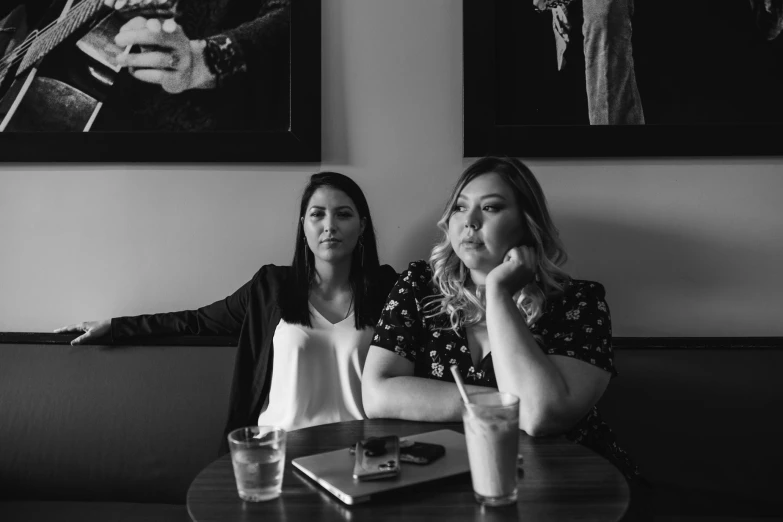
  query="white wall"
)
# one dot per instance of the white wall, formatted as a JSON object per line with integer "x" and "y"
{"x": 684, "y": 247}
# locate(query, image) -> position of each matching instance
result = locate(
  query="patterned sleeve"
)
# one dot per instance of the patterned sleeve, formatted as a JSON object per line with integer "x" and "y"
{"x": 400, "y": 328}
{"x": 579, "y": 325}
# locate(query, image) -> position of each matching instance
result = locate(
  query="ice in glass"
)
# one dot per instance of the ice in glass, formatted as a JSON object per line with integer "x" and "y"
{"x": 258, "y": 456}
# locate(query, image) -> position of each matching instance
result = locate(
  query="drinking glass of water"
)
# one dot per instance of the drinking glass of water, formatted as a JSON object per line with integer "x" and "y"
{"x": 258, "y": 456}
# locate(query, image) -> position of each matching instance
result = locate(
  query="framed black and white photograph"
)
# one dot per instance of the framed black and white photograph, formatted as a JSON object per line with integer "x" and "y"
{"x": 160, "y": 81}
{"x": 588, "y": 78}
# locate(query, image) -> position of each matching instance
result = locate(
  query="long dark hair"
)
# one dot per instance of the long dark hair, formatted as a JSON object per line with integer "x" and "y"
{"x": 364, "y": 261}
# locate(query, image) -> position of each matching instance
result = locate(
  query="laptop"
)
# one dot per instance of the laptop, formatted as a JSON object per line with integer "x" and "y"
{"x": 334, "y": 470}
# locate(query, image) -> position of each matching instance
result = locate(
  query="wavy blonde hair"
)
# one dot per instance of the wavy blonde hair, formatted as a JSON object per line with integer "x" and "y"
{"x": 464, "y": 306}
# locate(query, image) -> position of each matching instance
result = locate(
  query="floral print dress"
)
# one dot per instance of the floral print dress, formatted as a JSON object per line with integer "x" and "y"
{"x": 575, "y": 325}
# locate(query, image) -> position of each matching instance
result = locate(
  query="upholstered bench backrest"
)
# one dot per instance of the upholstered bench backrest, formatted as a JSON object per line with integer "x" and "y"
{"x": 137, "y": 423}
{"x": 704, "y": 425}
{"x": 132, "y": 423}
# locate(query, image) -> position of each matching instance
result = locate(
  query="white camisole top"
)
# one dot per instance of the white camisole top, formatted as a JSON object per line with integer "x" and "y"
{"x": 316, "y": 373}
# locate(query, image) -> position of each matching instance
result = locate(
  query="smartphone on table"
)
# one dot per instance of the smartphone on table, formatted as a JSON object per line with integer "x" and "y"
{"x": 377, "y": 458}
{"x": 420, "y": 452}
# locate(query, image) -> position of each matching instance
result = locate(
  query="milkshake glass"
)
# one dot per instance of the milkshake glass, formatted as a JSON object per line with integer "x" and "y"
{"x": 492, "y": 436}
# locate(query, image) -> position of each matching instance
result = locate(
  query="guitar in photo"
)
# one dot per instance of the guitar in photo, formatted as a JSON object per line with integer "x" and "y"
{"x": 145, "y": 65}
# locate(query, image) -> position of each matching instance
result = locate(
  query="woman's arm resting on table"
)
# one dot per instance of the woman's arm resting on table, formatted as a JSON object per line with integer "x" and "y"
{"x": 390, "y": 390}
{"x": 554, "y": 391}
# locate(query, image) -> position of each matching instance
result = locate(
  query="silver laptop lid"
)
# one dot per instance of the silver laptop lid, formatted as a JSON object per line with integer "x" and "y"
{"x": 334, "y": 470}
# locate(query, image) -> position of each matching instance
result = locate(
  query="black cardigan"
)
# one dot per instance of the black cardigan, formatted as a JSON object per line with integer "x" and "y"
{"x": 253, "y": 313}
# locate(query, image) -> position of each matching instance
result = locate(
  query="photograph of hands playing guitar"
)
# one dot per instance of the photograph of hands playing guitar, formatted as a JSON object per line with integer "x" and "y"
{"x": 144, "y": 65}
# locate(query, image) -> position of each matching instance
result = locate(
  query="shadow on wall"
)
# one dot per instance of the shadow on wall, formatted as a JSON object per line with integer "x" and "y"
{"x": 417, "y": 241}
{"x": 669, "y": 282}
{"x": 334, "y": 121}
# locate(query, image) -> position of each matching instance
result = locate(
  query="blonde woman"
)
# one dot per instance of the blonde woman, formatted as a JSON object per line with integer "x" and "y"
{"x": 494, "y": 300}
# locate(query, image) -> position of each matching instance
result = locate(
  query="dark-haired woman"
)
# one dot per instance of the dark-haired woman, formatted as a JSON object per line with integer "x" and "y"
{"x": 304, "y": 330}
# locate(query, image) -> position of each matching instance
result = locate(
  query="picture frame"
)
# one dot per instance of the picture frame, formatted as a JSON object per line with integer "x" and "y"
{"x": 299, "y": 142}
{"x": 489, "y": 127}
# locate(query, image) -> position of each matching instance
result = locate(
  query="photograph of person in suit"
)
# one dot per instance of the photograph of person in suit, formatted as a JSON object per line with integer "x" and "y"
{"x": 610, "y": 80}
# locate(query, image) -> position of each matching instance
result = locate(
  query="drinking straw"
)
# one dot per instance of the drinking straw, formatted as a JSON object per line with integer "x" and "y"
{"x": 460, "y": 384}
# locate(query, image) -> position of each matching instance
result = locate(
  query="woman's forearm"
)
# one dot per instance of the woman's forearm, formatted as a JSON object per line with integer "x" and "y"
{"x": 521, "y": 367}
{"x": 415, "y": 398}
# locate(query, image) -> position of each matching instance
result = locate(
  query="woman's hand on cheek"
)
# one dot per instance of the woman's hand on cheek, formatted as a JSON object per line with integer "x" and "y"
{"x": 517, "y": 270}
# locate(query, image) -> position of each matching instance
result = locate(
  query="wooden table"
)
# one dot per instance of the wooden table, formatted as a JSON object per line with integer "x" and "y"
{"x": 561, "y": 481}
